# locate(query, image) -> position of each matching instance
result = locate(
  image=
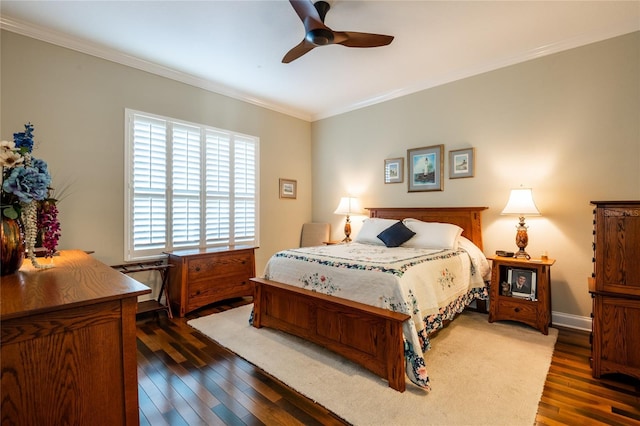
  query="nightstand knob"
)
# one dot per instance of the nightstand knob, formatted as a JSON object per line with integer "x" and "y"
{"x": 517, "y": 309}
{"x": 197, "y": 269}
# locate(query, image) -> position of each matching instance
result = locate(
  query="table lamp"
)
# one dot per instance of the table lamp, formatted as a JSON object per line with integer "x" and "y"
{"x": 348, "y": 206}
{"x": 521, "y": 203}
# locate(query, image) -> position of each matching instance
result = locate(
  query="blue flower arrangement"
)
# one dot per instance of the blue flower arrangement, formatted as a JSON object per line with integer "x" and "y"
{"x": 25, "y": 185}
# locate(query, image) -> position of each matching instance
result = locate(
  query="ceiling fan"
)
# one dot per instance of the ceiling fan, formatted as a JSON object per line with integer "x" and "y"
{"x": 318, "y": 34}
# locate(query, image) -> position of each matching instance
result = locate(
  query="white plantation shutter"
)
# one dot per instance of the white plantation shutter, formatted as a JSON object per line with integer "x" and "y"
{"x": 149, "y": 184}
{"x": 218, "y": 187}
{"x": 187, "y": 186}
{"x": 244, "y": 212}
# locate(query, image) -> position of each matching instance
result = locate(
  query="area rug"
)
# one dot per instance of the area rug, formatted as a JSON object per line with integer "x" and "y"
{"x": 481, "y": 373}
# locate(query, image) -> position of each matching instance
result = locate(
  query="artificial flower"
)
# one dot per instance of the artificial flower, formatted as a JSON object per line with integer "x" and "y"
{"x": 25, "y": 191}
{"x": 9, "y": 155}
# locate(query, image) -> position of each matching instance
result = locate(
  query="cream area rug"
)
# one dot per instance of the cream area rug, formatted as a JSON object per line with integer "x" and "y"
{"x": 481, "y": 373}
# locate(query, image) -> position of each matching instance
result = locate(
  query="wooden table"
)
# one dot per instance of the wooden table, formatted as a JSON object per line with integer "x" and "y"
{"x": 68, "y": 353}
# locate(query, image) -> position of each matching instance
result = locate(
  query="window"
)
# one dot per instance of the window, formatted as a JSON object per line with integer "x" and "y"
{"x": 187, "y": 186}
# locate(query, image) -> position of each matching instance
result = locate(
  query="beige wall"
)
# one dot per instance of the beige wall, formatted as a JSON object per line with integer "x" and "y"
{"x": 77, "y": 102}
{"x": 566, "y": 125}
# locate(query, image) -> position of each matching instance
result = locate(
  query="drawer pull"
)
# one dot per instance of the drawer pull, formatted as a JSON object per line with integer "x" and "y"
{"x": 517, "y": 309}
{"x": 197, "y": 269}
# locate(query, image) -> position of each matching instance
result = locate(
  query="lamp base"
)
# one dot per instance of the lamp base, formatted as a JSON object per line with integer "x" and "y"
{"x": 521, "y": 254}
{"x": 522, "y": 239}
{"x": 347, "y": 231}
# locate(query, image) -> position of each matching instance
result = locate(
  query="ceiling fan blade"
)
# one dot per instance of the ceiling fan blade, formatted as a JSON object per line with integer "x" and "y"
{"x": 355, "y": 39}
{"x": 308, "y": 14}
{"x": 297, "y": 51}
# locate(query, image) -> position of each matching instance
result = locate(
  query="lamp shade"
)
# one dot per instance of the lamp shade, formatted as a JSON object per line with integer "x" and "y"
{"x": 521, "y": 203}
{"x": 348, "y": 206}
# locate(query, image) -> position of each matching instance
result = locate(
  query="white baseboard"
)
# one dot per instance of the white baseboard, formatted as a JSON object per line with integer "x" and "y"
{"x": 571, "y": 321}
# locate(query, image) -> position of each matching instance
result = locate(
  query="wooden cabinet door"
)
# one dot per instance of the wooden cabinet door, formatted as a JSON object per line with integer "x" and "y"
{"x": 617, "y": 266}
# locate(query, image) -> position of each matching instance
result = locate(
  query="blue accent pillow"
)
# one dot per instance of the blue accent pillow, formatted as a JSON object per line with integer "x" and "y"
{"x": 396, "y": 234}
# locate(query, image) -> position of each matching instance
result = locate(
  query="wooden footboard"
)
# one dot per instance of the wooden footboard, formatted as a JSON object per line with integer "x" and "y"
{"x": 366, "y": 335}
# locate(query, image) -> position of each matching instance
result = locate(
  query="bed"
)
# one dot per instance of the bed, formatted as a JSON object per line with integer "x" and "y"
{"x": 385, "y": 330}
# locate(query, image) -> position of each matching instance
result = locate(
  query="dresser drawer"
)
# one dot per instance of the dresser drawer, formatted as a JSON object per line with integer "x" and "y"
{"x": 204, "y": 268}
{"x": 204, "y": 292}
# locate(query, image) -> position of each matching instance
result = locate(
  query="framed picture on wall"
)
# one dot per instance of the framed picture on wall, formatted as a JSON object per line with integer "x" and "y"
{"x": 288, "y": 188}
{"x": 425, "y": 168}
{"x": 394, "y": 170}
{"x": 461, "y": 163}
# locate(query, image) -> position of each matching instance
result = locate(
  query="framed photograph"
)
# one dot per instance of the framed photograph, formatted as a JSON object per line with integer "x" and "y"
{"x": 425, "y": 168}
{"x": 461, "y": 163}
{"x": 523, "y": 283}
{"x": 288, "y": 188}
{"x": 394, "y": 170}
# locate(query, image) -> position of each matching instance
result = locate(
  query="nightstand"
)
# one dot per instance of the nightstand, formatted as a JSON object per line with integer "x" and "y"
{"x": 531, "y": 302}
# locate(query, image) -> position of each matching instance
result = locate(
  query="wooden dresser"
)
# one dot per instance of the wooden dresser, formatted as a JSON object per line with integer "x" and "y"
{"x": 69, "y": 344}
{"x": 615, "y": 288}
{"x": 203, "y": 276}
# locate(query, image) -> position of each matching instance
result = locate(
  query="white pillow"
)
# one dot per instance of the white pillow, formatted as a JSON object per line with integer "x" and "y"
{"x": 371, "y": 228}
{"x": 433, "y": 235}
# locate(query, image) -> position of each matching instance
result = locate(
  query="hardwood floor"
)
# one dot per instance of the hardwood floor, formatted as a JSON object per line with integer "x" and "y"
{"x": 186, "y": 379}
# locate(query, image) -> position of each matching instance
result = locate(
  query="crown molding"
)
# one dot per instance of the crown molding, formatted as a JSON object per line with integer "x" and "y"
{"x": 99, "y": 51}
{"x": 631, "y": 26}
{"x": 83, "y": 46}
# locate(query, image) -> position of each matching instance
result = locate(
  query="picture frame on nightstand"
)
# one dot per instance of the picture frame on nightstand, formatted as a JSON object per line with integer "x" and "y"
{"x": 526, "y": 278}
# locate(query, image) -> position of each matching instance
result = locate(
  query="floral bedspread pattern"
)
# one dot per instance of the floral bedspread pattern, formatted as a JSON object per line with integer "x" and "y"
{"x": 430, "y": 285}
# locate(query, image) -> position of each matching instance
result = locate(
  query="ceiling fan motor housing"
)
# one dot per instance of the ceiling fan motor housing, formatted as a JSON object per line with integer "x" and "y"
{"x": 320, "y": 37}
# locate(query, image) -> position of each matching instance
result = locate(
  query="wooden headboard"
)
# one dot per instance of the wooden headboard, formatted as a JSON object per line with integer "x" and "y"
{"x": 468, "y": 218}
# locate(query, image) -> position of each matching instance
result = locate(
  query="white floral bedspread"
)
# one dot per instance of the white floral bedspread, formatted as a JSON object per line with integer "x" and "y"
{"x": 430, "y": 285}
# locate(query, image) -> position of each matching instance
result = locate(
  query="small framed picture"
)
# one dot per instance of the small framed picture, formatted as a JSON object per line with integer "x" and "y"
{"x": 461, "y": 163}
{"x": 425, "y": 168}
{"x": 523, "y": 283}
{"x": 394, "y": 170}
{"x": 288, "y": 188}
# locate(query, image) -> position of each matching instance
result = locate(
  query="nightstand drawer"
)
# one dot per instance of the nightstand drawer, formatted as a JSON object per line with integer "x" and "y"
{"x": 517, "y": 309}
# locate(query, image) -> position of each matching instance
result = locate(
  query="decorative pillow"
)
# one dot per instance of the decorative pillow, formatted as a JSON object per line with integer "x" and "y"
{"x": 396, "y": 234}
{"x": 371, "y": 228}
{"x": 433, "y": 235}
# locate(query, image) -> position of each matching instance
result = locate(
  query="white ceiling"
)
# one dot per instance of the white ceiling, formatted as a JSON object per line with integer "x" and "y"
{"x": 235, "y": 47}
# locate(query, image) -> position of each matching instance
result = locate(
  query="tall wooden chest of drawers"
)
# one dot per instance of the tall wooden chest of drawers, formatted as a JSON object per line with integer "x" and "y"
{"x": 615, "y": 288}
{"x": 203, "y": 276}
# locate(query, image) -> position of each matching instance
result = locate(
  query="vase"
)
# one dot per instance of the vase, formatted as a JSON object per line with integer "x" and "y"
{"x": 12, "y": 246}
